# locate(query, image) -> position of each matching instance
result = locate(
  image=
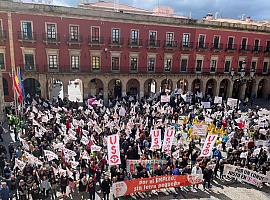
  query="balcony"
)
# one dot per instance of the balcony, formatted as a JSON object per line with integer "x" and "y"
{"x": 187, "y": 46}
{"x": 27, "y": 37}
{"x": 95, "y": 42}
{"x": 51, "y": 39}
{"x": 202, "y": 46}
{"x": 267, "y": 50}
{"x": 29, "y": 68}
{"x": 212, "y": 70}
{"x": 257, "y": 49}
{"x": 3, "y": 37}
{"x": 153, "y": 44}
{"x": 216, "y": 47}
{"x": 74, "y": 40}
{"x": 54, "y": 68}
{"x": 116, "y": 42}
{"x": 244, "y": 48}
{"x": 231, "y": 47}
{"x": 134, "y": 43}
{"x": 170, "y": 44}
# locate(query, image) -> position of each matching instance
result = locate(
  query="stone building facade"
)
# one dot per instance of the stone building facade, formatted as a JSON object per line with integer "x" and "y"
{"x": 119, "y": 52}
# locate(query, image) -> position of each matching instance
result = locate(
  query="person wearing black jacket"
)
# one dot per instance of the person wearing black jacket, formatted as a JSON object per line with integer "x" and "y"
{"x": 207, "y": 175}
{"x": 105, "y": 187}
{"x": 91, "y": 188}
{"x": 82, "y": 187}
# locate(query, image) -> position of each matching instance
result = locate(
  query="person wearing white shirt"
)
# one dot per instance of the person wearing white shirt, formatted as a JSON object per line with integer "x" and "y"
{"x": 196, "y": 170}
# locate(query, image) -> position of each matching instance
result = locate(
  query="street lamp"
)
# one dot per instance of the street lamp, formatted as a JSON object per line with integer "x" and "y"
{"x": 241, "y": 80}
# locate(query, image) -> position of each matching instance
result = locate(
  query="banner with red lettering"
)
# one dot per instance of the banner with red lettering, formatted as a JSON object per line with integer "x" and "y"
{"x": 199, "y": 129}
{"x": 156, "y": 139}
{"x": 124, "y": 188}
{"x": 168, "y": 139}
{"x": 208, "y": 145}
{"x": 113, "y": 150}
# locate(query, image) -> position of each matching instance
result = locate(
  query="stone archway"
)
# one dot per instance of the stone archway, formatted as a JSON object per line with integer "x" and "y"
{"x": 150, "y": 87}
{"x": 96, "y": 88}
{"x": 224, "y": 88}
{"x": 75, "y": 90}
{"x": 182, "y": 86}
{"x": 196, "y": 86}
{"x": 262, "y": 89}
{"x": 31, "y": 87}
{"x": 57, "y": 89}
{"x": 133, "y": 88}
{"x": 115, "y": 88}
{"x": 249, "y": 87}
{"x": 211, "y": 86}
{"x": 166, "y": 85}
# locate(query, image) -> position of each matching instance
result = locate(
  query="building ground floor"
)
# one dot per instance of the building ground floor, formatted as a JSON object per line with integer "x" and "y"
{"x": 82, "y": 86}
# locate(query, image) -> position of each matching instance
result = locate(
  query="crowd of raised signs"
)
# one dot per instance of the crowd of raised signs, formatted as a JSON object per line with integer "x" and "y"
{"x": 82, "y": 150}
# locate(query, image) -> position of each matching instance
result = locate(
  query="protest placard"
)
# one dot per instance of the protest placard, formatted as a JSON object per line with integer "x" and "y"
{"x": 218, "y": 100}
{"x": 232, "y": 102}
{"x": 199, "y": 129}
{"x": 245, "y": 175}
{"x": 155, "y": 139}
{"x": 208, "y": 145}
{"x": 165, "y": 98}
{"x": 113, "y": 150}
{"x": 124, "y": 188}
{"x": 206, "y": 105}
{"x": 147, "y": 164}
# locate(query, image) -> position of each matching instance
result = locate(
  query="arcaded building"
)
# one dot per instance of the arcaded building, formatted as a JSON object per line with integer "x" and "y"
{"x": 118, "y": 50}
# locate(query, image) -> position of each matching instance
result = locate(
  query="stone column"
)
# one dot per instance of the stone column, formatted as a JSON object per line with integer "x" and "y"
{"x": 141, "y": 95}
{"x": 124, "y": 88}
{"x": 242, "y": 91}
{"x": 65, "y": 88}
{"x": 216, "y": 91}
{"x": 105, "y": 92}
{"x": 158, "y": 86}
{"x": 2, "y": 100}
{"x": 230, "y": 89}
{"x": 190, "y": 81}
{"x": 203, "y": 86}
{"x": 254, "y": 89}
{"x": 43, "y": 85}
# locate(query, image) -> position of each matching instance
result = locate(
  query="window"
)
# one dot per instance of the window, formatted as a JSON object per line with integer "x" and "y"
{"x": 134, "y": 36}
{"x": 75, "y": 62}
{"x": 95, "y": 62}
{"x": 199, "y": 65}
{"x": 253, "y": 65}
{"x": 185, "y": 41}
{"x": 27, "y": 30}
{"x": 267, "y": 46}
{"x": 201, "y": 41}
{"x": 74, "y": 33}
{"x": 116, "y": 36}
{"x": 168, "y": 65}
{"x": 241, "y": 65}
{"x": 169, "y": 39}
{"x": 151, "y": 64}
{"x": 227, "y": 66}
{"x": 216, "y": 42}
{"x": 95, "y": 34}
{"x": 244, "y": 44}
{"x": 230, "y": 44}
{"x": 256, "y": 45}
{"x": 265, "y": 66}
{"x": 133, "y": 63}
{"x": 183, "y": 65}
{"x": 213, "y": 65}
{"x": 51, "y": 31}
{"x": 29, "y": 62}
{"x": 53, "y": 61}
{"x": 2, "y": 61}
{"x": 152, "y": 38}
{"x": 5, "y": 87}
{"x": 115, "y": 63}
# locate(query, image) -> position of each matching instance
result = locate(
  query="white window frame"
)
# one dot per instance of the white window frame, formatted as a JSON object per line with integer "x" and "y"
{"x": 151, "y": 56}
{"x": 53, "y": 52}
{"x": 216, "y": 59}
{"x": 181, "y": 58}
{"x": 204, "y": 42}
{"x": 3, "y": 51}
{"x": 219, "y": 38}
{"x": 29, "y": 51}
{"x": 133, "y": 55}
{"x": 254, "y": 59}
{"x": 116, "y": 54}
{"x": 268, "y": 61}
{"x": 46, "y": 30}
{"x": 119, "y": 38}
{"x": 227, "y": 44}
{"x": 199, "y": 57}
{"x": 32, "y": 27}
{"x": 246, "y": 42}
{"x": 228, "y": 58}
{"x": 188, "y": 42}
{"x": 98, "y": 54}
{"x": 70, "y": 25}
{"x": 92, "y": 32}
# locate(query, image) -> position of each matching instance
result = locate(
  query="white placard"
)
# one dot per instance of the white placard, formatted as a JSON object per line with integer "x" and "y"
{"x": 113, "y": 150}
{"x": 218, "y": 100}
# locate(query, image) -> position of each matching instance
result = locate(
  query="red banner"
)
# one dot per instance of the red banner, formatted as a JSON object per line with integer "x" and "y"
{"x": 154, "y": 183}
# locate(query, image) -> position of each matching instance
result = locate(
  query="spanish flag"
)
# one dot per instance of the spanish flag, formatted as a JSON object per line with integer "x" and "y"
{"x": 17, "y": 87}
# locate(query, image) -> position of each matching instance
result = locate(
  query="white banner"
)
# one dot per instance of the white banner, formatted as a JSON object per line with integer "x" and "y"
{"x": 245, "y": 175}
{"x": 69, "y": 152}
{"x": 165, "y": 98}
{"x": 113, "y": 150}
{"x": 232, "y": 102}
{"x": 218, "y": 100}
{"x": 50, "y": 155}
{"x": 208, "y": 145}
{"x": 84, "y": 140}
{"x": 25, "y": 144}
{"x": 156, "y": 139}
{"x": 199, "y": 129}
{"x": 206, "y": 105}
{"x": 20, "y": 164}
{"x": 32, "y": 159}
{"x": 95, "y": 148}
{"x": 168, "y": 139}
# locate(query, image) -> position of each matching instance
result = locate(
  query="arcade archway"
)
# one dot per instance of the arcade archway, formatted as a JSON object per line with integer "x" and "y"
{"x": 133, "y": 88}
{"x": 96, "y": 87}
{"x": 150, "y": 87}
{"x": 75, "y": 90}
{"x": 31, "y": 87}
{"x": 115, "y": 88}
{"x": 211, "y": 86}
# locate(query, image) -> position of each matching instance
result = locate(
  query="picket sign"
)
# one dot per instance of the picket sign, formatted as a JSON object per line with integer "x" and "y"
{"x": 156, "y": 139}
{"x": 113, "y": 150}
{"x": 168, "y": 139}
{"x": 208, "y": 145}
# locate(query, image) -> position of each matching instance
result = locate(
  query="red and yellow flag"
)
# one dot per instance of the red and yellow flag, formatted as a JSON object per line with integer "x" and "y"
{"x": 17, "y": 87}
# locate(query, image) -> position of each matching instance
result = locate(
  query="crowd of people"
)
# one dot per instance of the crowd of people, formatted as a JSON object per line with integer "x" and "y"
{"x": 77, "y": 135}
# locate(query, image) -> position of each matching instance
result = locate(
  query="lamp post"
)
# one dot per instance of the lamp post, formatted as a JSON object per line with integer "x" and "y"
{"x": 241, "y": 80}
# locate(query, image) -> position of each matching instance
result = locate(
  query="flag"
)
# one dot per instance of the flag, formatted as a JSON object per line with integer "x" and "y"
{"x": 17, "y": 87}
{"x": 21, "y": 82}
